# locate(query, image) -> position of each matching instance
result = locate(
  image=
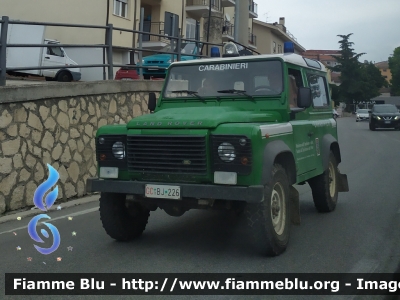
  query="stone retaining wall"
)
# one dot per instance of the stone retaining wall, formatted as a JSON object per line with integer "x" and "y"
{"x": 57, "y": 126}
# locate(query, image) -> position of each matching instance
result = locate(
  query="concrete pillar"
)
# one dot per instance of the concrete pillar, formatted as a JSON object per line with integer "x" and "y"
{"x": 215, "y": 34}
{"x": 242, "y": 21}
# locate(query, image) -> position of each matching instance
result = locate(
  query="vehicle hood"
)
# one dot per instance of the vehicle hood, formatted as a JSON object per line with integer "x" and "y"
{"x": 200, "y": 117}
{"x": 386, "y": 114}
{"x": 164, "y": 58}
{"x": 157, "y": 57}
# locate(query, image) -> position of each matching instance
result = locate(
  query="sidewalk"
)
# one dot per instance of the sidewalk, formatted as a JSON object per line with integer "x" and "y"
{"x": 23, "y": 213}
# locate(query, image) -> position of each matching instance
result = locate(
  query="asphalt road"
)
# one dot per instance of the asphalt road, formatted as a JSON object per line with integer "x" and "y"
{"x": 361, "y": 235}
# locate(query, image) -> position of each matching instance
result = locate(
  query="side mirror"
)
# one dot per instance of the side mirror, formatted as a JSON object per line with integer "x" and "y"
{"x": 304, "y": 98}
{"x": 152, "y": 102}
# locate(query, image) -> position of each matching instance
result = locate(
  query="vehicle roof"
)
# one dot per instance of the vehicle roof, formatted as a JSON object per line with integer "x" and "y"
{"x": 290, "y": 58}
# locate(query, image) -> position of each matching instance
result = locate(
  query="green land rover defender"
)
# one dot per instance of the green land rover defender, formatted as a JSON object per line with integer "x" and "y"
{"x": 231, "y": 133}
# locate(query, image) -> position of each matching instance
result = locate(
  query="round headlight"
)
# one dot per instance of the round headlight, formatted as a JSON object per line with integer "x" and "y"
{"x": 118, "y": 149}
{"x": 226, "y": 152}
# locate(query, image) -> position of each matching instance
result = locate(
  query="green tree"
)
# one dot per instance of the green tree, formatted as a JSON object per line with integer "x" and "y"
{"x": 371, "y": 81}
{"x": 351, "y": 71}
{"x": 394, "y": 66}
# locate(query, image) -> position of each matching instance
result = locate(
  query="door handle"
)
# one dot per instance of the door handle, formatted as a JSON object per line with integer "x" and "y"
{"x": 310, "y": 134}
{"x": 47, "y": 57}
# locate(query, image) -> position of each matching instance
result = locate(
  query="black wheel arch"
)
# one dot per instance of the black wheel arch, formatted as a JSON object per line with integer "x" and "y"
{"x": 278, "y": 152}
{"x": 328, "y": 144}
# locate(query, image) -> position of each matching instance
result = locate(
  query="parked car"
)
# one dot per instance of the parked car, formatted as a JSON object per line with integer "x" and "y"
{"x": 384, "y": 116}
{"x": 362, "y": 114}
{"x": 156, "y": 65}
{"x": 127, "y": 73}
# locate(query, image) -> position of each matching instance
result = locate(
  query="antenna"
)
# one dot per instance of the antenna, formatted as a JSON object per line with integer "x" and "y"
{"x": 266, "y": 17}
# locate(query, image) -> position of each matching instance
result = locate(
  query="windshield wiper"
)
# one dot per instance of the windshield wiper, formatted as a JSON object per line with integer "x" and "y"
{"x": 233, "y": 91}
{"x": 191, "y": 93}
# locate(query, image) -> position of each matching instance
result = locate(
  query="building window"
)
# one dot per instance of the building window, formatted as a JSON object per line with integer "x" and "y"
{"x": 190, "y": 28}
{"x": 279, "y": 48}
{"x": 121, "y": 8}
{"x": 274, "y": 48}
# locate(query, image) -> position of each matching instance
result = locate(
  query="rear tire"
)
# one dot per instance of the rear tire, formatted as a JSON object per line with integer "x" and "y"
{"x": 325, "y": 187}
{"x": 64, "y": 76}
{"x": 270, "y": 219}
{"x": 122, "y": 220}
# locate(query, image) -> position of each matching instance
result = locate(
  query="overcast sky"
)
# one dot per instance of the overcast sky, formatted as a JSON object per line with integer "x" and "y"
{"x": 375, "y": 24}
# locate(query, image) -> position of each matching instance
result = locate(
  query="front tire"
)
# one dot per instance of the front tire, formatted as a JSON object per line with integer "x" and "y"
{"x": 122, "y": 220}
{"x": 270, "y": 219}
{"x": 371, "y": 127}
{"x": 325, "y": 187}
{"x": 64, "y": 76}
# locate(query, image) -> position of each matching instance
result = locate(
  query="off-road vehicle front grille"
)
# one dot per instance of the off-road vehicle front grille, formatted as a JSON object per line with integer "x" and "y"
{"x": 179, "y": 154}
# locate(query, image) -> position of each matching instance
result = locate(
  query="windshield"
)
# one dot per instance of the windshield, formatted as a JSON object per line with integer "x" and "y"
{"x": 225, "y": 79}
{"x": 385, "y": 109}
{"x": 186, "y": 48}
{"x": 362, "y": 111}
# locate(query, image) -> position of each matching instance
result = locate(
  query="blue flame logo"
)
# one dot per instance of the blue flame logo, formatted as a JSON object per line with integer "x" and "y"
{"x": 44, "y": 204}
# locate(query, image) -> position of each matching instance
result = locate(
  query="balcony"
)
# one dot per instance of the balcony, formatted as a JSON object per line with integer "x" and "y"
{"x": 227, "y": 3}
{"x": 151, "y": 41}
{"x": 151, "y": 2}
{"x": 252, "y": 41}
{"x": 253, "y": 10}
{"x": 228, "y": 32}
{"x": 199, "y": 8}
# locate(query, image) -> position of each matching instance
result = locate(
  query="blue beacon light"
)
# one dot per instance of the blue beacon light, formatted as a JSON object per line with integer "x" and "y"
{"x": 215, "y": 52}
{"x": 288, "y": 47}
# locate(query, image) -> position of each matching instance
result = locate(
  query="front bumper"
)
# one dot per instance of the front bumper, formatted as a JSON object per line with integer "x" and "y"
{"x": 250, "y": 194}
{"x": 386, "y": 123}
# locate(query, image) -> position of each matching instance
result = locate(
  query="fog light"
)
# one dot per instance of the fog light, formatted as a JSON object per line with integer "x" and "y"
{"x": 108, "y": 172}
{"x": 244, "y": 160}
{"x": 225, "y": 177}
{"x": 102, "y": 157}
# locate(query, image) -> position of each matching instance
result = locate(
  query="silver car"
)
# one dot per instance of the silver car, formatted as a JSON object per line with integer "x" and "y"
{"x": 362, "y": 114}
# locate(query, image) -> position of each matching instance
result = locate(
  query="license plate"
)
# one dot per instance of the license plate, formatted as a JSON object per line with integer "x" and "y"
{"x": 387, "y": 122}
{"x": 162, "y": 191}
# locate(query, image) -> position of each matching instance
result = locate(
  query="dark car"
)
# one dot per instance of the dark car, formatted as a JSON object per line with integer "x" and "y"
{"x": 384, "y": 116}
{"x": 127, "y": 72}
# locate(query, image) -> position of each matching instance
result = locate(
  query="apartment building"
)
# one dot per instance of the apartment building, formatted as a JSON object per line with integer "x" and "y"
{"x": 383, "y": 67}
{"x": 187, "y": 18}
{"x": 272, "y": 37}
{"x": 324, "y": 56}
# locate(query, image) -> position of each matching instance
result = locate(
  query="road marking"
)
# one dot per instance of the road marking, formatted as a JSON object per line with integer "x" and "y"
{"x": 83, "y": 212}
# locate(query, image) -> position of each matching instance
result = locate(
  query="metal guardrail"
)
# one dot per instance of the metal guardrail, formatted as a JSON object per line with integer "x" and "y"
{"x": 107, "y": 46}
